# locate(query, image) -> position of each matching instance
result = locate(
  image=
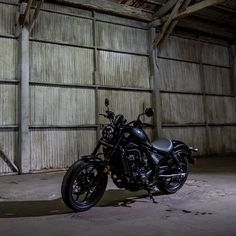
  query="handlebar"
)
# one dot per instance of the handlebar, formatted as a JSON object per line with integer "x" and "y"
{"x": 114, "y": 119}
{"x": 109, "y": 115}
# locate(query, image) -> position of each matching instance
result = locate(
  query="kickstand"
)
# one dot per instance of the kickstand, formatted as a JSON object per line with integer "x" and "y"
{"x": 151, "y": 197}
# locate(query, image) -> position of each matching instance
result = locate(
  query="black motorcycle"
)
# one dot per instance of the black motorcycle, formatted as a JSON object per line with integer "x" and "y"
{"x": 133, "y": 162}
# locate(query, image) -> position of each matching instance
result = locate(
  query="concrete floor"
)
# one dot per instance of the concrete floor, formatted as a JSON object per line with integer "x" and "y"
{"x": 206, "y": 205}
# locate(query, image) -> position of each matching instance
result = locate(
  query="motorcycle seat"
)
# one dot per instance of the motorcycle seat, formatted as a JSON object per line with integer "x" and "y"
{"x": 162, "y": 145}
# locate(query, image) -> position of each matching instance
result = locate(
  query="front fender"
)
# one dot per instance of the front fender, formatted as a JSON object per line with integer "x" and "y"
{"x": 96, "y": 161}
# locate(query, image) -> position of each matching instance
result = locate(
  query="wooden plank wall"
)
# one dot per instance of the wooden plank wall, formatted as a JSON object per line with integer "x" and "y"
{"x": 198, "y": 106}
{"x": 78, "y": 58}
{"x": 8, "y": 84}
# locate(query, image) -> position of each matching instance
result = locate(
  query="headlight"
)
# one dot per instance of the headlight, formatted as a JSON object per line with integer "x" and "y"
{"x": 108, "y": 133}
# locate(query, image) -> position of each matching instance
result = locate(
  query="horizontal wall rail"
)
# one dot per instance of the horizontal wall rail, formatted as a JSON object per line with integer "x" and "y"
{"x": 194, "y": 62}
{"x": 197, "y": 93}
{"x": 62, "y": 127}
{"x": 9, "y": 128}
{"x": 80, "y": 86}
{"x": 197, "y": 125}
{"x": 88, "y": 47}
{"x": 9, "y": 82}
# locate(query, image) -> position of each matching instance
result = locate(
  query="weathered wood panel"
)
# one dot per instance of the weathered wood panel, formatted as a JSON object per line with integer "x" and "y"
{"x": 120, "y": 20}
{"x": 8, "y": 59}
{"x": 223, "y": 140}
{"x": 7, "y": 19}
{"x": 66, "y": 10}
{"x": 123, "y": 70}
{"x": 61, "y": 64}
{"x": 123, "y": 38}
{"x": 214, "y": 54}
{"x": 10, "y": 1}
{"x": 59, "y": 149}
{"x": 217, "y": 80}
{"x": 221, "y": 109}
{"x": 63, "y": 28}
{"x": 8, "y": 144}
{"x": 130, "y": 104}
{"x": 61, "y": 106}
{"x": 181, "y": 109}
{"x": 8, "y": 104}
{"x": 180, "y": 48}
{"x": 179, "y": 76}
{"x": 192, "y": 136}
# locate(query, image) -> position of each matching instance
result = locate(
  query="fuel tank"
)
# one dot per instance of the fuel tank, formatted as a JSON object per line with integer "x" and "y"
{"x": 138, "y": 136}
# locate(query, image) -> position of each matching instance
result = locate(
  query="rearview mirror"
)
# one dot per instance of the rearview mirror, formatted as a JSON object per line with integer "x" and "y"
{"x": 149, "y": 112}
{"x": 106, "y": 102}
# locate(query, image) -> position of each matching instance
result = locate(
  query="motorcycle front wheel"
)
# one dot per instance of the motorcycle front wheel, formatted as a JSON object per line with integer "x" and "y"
{"x": 83, "y": 186}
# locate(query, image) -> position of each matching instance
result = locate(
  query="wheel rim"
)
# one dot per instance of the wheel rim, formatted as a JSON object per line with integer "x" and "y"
{"x": 85, "y": 186}
{"x": 173, "y": 183}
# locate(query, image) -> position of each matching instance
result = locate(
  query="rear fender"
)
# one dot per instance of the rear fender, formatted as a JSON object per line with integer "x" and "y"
{"x": 180, "y": 146}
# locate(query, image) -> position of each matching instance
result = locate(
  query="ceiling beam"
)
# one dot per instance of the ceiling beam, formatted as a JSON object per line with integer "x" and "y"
{"x": 25, "y": 14}
{"x": 153, "y": 2}
{"x": 175, "y": 22}
{"x": 36, "y": 14}
{"x": 166, "y": 25}
{"x": 194, "y": 8}
{"x": 108, "y": 7}
{"x": 165, "y": 8}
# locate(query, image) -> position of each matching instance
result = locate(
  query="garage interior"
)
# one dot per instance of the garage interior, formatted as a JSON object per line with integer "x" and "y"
{"x": 60, "y": 59}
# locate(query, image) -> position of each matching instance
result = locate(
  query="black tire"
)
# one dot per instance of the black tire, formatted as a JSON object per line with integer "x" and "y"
{"x": 83, "y": 179}
{"x": 171, "y": 186}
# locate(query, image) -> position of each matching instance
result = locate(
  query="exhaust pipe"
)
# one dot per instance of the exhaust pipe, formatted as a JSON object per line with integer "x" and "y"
{"x": 173, "y": 175}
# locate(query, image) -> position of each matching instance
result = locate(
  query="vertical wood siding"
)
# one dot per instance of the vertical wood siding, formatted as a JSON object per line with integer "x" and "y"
{"x": 59, "y": 149}
{"x": 179, "y": 48}
{"x": 62, "y": 106}
{"x": 10, "y": 1}
{"x": 214, "y": 78}
{"x": 181, "y": 109}
{"x": 215, "y": 54}
{"x": 122, "y": 38}
{"x": 121, "y": 20}
{"x": 179, "y": 76}
{"x": 221, "y": 109}
{"x": 7, "y": 19}
{"x": 8, "y": 144}
{"x": 122, "y": 70}
{"x": 63, "y": 28}
{"x": 8, "y": 59}
{"x": 8, "y": 92}
{"x": 8, "y": 104}
{"x": 66, "y": 10}
{"x": 223, "y": 140}
{"x": 130, "y": 104}
{"x": 58, "y": 56}
{"x": 60, "y": 64}
{"x": 217, "y": 80}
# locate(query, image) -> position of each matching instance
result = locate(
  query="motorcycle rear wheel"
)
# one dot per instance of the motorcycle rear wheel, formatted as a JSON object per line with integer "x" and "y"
{"x": 83, "y": 186}
{"x": 172, "y": 185}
